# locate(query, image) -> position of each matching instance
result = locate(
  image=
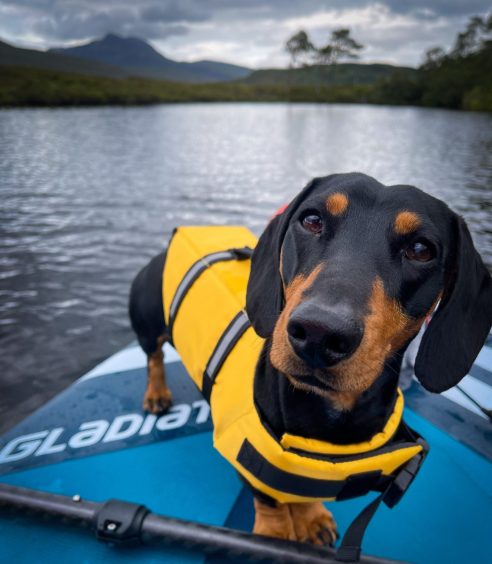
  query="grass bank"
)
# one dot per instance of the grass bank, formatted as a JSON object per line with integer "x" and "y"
{"x": 20, "y": 86}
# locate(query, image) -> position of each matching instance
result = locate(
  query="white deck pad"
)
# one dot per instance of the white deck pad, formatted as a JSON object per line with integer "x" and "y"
{"x": 129, "y": 358}
{"x": 477, "y": 389}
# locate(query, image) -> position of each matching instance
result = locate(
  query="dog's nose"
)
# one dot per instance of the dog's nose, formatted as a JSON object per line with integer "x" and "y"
{"x": 323, "y": 336}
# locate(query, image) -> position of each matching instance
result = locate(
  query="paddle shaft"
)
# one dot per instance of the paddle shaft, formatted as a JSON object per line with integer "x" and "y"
{"x": 114, "y": 520}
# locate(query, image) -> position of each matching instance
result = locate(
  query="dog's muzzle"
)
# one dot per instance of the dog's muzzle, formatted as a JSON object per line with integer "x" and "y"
{"x": 322, "y": 336}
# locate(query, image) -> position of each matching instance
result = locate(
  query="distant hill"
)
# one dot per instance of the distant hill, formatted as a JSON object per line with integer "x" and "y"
{"x": 342, "y": 74}
{"x": 138, "y": 58}
{"x": 17, "y": 57}
{"x": 118, "y": 57}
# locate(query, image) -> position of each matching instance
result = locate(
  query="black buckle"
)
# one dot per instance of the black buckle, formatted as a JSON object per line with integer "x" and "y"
{"x": 405, "y": 476}
{"x": 120, "y": 522}
{"x": 243, "y": 253}
{"x": 360, "y": 484}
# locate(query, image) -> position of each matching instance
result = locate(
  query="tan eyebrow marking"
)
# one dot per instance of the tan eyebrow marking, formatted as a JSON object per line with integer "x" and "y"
{"x": 294, "y": 293}
{"x": 337, "y": 203}
{"x": 406, "y": 222}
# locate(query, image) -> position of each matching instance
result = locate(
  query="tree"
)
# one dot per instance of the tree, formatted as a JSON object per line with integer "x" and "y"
{"x": 433, "y": 58}
{"x": 299, "y": 48}
{"x": 475, "y": 37}
{"x": 325, "y": 55}
{"x": 341, "y": 45}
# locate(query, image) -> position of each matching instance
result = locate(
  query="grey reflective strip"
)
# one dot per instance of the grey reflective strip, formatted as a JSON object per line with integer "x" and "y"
{"x": 239, "y": 324}
{"x": 194, "y": 271}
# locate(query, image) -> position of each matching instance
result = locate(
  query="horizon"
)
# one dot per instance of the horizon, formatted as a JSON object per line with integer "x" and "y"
{"x": 119, "y": 36}
{"x": 250, "y": 33}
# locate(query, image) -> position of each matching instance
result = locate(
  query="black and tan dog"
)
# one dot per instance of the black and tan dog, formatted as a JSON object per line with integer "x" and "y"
{"x": 341, "y": 281}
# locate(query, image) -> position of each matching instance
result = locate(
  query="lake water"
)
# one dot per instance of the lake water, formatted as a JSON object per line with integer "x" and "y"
{"x": 88, "y": 195}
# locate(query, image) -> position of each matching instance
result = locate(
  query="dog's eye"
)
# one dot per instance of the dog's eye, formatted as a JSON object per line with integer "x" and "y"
{"x": 312, "y": 222}
{"x": 421, "y": 251}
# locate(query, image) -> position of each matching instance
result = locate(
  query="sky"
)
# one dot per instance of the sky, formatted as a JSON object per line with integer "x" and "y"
{"x": 247, "y": 32}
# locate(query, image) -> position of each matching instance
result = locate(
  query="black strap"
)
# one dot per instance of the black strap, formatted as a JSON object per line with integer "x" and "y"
{"x": 195, "y": 271}
{"x": 233, "y": 332}
{"x": 350, "y": 547}
{"x": 406, "y": 475}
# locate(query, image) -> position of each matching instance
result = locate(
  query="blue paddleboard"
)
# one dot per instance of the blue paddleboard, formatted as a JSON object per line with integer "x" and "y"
{"x": 94, "y": 440}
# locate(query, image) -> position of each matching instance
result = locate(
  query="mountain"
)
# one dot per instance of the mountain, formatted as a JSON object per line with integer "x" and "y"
{"x": 342, "y": 74}
{"x": 15, "y": 56}
{"x": 118, "y": 57}
{"x": 138, "y": 58}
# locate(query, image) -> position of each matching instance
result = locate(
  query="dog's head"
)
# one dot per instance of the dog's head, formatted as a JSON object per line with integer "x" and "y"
{"x": 344, "y": 278}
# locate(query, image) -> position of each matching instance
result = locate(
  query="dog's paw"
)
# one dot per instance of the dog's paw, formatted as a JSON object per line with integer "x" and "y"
{"x": 157, "y": 400}
{"x": 273, "y": 521}
{"x": 313, "y": 523}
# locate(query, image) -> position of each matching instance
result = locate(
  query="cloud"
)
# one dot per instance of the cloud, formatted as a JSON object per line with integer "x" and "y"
{"x": 171, "y": 12}
{"x": 387, "y": 36}
{"x": 83, "y": 23}
{"x": 250, "y": 32}
{"x": 446, "y": 8}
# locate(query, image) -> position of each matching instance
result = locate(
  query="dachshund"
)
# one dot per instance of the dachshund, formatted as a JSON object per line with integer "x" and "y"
{"x": 341, "y": 281}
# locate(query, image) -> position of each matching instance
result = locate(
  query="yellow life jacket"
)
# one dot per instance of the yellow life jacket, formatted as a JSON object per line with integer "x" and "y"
{"x": 204, "y": 295}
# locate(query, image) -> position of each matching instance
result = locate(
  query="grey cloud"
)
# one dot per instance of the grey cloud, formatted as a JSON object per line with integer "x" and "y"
{"x": 156, "y": 30}
{"x": 228, "y": 21}
{"x": 78, "y": 21}
{"x": 439, "y": 7}
{"x": 170, "y": 12}
{"x": 192, "y": 11}
{"x": 60, "y": 21}
{"x": 69, "y": 25}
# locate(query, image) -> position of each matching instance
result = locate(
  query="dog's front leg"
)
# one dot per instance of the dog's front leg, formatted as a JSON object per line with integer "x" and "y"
{"x": 273, "y": 521}
{"x": 313, "y": 523}
{"x": 304, "y": 522}
{"x": 157, "y": 397}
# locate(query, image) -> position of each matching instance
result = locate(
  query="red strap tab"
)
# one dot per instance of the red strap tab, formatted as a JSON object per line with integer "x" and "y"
{"x": 280, "y": 211}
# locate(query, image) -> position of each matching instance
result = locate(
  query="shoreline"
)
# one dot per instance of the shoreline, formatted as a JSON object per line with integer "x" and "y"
{"x": 28, "y": 87}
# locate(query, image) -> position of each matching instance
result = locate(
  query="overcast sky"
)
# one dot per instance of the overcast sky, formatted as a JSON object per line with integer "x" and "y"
{"x": 247, "y": 32}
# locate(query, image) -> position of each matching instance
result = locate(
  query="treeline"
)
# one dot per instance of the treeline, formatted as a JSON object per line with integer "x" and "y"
{"x": 21, "y": 86}
{"x": 456, "y": 84}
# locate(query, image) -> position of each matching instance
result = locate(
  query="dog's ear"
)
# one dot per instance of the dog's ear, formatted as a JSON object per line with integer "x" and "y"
{"x": 264, "y": 298}
{"x": 265, "y": 295}
{"x": 462, "y": 321}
